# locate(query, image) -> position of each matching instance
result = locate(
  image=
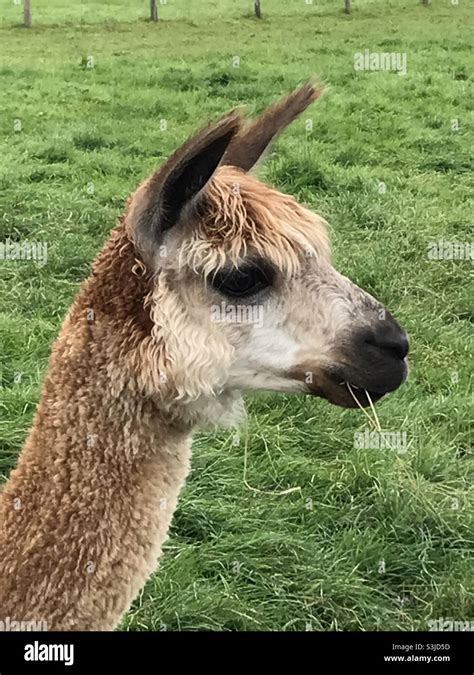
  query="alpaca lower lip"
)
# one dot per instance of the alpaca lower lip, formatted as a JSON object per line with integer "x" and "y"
{"x": 343, "y": 391}
{"x": 364, "y": 396}
{"x": 377, "y": 381}
{"x": 358, "y": 398}
{"x": 338, "y": 393}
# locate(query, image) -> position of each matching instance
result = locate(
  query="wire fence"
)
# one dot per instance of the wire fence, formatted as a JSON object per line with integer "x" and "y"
{"x": 44, "y": 12}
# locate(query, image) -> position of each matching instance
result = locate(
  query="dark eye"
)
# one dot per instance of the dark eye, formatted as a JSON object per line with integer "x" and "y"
{"x": 243, "y": 281}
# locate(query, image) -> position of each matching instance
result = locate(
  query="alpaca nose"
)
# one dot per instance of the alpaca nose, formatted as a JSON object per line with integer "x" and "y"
{"x": 388, "y": 337}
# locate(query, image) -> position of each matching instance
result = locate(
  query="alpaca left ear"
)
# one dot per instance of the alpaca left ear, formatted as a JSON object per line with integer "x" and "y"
{"x": 250, "y": 144}
{"x": 160, "y": 201}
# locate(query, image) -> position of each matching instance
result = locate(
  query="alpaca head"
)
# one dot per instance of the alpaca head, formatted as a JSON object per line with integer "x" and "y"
{"x": 244, "y": 296}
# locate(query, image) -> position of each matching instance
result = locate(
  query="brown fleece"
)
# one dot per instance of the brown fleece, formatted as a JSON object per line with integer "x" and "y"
{"x": 85, "y": 512}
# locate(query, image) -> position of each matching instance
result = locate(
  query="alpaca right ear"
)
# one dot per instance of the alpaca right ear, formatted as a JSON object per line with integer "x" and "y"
{"x": 250, "y": 144}
{"x": 157, "y": 205}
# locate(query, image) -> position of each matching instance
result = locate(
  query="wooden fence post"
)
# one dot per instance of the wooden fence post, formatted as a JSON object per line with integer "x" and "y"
{"x": 27, "y": 13}
{"x": 153, "y": 10}
{"x": 347, "y": 6}
{"x": 258, "y": 9}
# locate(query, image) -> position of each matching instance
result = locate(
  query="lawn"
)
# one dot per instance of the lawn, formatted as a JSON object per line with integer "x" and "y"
{"x": 94, "y": 98}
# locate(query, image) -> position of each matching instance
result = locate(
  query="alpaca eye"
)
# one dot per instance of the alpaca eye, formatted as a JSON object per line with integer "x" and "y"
{"x": 242, "y": 282}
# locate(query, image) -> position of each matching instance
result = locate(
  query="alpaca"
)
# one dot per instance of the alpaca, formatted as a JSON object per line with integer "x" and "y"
{"x": 144, "y": 357}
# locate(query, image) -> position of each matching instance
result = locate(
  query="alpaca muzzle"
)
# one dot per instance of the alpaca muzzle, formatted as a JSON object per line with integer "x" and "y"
{"x": 366, "y": 364}
{"x": 372, "y": 362}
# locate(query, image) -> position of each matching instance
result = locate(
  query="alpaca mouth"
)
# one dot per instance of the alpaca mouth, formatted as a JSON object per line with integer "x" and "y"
{"x": 347, "y": 395}
{"x": 348, "y": 392}
{"x": 360, "y": 397}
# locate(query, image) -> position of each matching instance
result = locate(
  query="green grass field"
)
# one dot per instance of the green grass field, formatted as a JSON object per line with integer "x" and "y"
{"x": 94, "y": 97}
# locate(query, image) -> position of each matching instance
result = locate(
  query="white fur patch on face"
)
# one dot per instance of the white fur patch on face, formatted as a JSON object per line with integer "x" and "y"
{"x": 264, "y": 354}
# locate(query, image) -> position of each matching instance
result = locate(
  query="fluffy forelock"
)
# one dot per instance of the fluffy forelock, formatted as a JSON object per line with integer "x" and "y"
{"x": 240, "y": 216}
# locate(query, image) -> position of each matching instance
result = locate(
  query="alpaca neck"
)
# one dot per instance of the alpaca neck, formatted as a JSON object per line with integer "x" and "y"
{"x": 84, "y": 514}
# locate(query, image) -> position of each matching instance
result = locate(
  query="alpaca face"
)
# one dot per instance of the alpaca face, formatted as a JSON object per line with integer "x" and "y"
{"x": 257, "y": 305}
{"x": 245, "y": 297}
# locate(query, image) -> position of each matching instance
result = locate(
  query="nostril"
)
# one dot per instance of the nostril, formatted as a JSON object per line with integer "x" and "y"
{"x": 390, "y": 340}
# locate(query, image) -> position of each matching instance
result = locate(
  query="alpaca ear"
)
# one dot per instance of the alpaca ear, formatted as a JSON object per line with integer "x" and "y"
{"x": 182, "y": 177}
{"x": 255, "y": 138}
